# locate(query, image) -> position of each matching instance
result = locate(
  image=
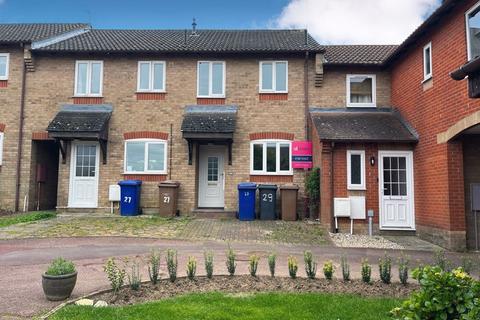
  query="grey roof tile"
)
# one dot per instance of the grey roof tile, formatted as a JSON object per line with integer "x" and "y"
{"x": 358, "y": 54}
{"x": 81, "y": 118}
{"x": 209, "y": 119}
{"x": 367, "y": 125}
{"x": 28, "y": 32}
{"x": 100, "y": 40}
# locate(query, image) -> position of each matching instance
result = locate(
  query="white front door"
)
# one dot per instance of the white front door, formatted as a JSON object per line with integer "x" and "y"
{"x": 84, "y": 165}
{"x": 211, "y": 177}
{"x": 396, "y": 190}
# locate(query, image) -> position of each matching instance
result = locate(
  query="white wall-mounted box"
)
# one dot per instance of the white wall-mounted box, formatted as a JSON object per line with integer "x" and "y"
{"x": 357, "y": 208}
{"x": 341, "y": 207}
{"x": 114, "y": 192}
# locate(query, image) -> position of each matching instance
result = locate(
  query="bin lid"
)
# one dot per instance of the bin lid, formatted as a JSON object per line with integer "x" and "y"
{"x": 268, "y": 186}
{"x": 130, "y": 182}
{"x": 169, "y": 183}
{"x": 289, "y": 187}
{"x": 247, "y": 185}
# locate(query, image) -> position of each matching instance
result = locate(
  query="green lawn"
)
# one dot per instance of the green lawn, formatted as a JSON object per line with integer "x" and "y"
{"x": 6, "y": 221}
{"x": 273, "y": 306}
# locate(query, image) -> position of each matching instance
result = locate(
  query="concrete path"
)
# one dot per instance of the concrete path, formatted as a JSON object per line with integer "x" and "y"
{"x": 23, "y": 261}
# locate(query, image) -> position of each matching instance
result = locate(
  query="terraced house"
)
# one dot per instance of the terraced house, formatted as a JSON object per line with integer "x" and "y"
{"x": 394, "y": 128}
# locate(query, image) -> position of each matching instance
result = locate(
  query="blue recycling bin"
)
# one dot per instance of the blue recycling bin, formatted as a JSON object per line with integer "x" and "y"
{"x": 246, "y": 201}
{"x": 130, "y": 197}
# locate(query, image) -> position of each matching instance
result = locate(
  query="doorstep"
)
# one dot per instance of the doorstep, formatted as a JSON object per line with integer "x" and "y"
{"x": 214, "y": 213}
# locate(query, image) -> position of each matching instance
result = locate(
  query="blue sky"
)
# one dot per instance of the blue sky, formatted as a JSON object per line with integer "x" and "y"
{"x": 145, "y": 13}
{"x": 329, "y": 21}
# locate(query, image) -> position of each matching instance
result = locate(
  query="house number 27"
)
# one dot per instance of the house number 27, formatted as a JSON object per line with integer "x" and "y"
{"x": 166, "y": 199}
{"x": 267, "y": 197}
{"x": 127, "y": 199}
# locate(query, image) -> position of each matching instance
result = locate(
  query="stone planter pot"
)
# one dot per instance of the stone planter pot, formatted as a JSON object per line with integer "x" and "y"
{"x": 57, "y": 288}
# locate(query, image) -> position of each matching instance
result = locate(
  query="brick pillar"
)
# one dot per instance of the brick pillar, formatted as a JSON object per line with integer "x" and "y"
{"x": 456, "y": 192}
{"x": 326, "y": 192}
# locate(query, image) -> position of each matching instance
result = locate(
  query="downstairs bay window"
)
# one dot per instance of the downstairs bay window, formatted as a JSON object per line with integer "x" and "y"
{"x": 145, "y": 156}
{"x": 270, "y": 157}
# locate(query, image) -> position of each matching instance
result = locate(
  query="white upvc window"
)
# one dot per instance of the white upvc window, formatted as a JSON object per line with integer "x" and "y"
{"x": 274, "y": 77}
{"x": 356, "y": 170}
{"x": 361, "y": 90}
{"x": 151, "y": 76}
{"x": 211, "y": 79}
{"x": 88, "y": 78}
{"x": 427, "y": 62}
{"x": 1, "y": 147}
{"x": 145, "y": 156}
{"x": 4, "y": 65}
{"x": 271, "y": 157}
{"x": 472, "y": 20}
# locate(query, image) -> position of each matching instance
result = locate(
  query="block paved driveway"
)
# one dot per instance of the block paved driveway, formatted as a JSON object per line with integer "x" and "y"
{"x": 22, "y": 262}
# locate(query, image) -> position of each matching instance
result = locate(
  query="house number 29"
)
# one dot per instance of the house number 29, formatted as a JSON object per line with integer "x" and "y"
{"x": 267, "y": 197}
{"x": 127, "y": 199}
{"x": 166, "y": 199}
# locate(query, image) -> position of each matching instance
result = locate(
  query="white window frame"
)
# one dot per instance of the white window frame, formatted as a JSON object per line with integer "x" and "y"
{"x": 427, "y": 76}
{"x": 373, "y": 104}
{"x": 89, "y": 79}
{"x": 151, "y": 79}
{"x": 360, "y": 186}
{"x": 210, "y": 82}
{"x": 274, "y": 77}
{"x": 264, "y": 154}
{"x": 7, "y": 55}
{"x": 145, "y": 164}
{"x": 467, "y": 29}
{"x": 2, "y": 137}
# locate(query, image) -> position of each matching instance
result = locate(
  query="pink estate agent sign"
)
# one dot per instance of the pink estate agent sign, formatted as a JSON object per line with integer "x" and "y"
{"x": 302, "y": 152}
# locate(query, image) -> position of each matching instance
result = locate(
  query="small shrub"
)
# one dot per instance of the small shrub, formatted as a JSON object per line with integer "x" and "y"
{"x": 292, "y": 267}
{"x": 115, "y": 274}
{"x": 208, "y": 255}
{"x": 366, "y": 271}
{"x": 312, "y": 188}
{"x": 310, "y": 264}
{"x": 272, "y": 257}
{"x": 191, "y": 267}
{"x": 440, "y": 260}
{"x": 134, "y": 277}
{"x": 385, "y": 269}
{"x": 172, "y": 263}
{"x": 403, "y": 262}
{"x": 442, "y": 295}
{"x": 231, "y": 261}
{"x": 328, "y": 270}
{"x": 467, "y": 264}
{"x": 345, "y": 269}
{"x": 154, "y": 266}
{"x": 253, "y": 265}
{"x": 60, "y": 267}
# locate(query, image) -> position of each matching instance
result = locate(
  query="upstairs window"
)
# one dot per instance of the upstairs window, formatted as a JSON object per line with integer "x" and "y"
{"x": 427, "y": 61}
{"x": 151, "y": 76}
{"x": 4, "y": 59}
{"x": 211, "y": 79}
{"x": 273, "y": 77}
{"x": 145, "y": 156}
{"x": 472, "y": 18}
{"x": 88, "y": 78}
{"x": 361, "y": 90}
{"x": 1, "y": 148}
{"x": 270, "y": 157}
{"x": 356, "y": 170}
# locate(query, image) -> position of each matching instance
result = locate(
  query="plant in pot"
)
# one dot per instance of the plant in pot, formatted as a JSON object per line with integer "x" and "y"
{"x": 312, "y": 189}
{"x": 59, "y": 279}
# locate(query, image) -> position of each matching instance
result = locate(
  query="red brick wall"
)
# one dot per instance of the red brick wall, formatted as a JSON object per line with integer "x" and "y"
{"x": 432, "y": 108}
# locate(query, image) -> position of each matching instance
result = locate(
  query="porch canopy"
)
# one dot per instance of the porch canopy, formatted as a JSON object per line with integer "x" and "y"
{"x": 82, "y": 122}
{"x": 209, "y": 124}
{"x": 362, "y": 125}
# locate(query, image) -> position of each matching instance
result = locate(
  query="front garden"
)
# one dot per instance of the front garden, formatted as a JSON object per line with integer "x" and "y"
{"x": 317, "y": 292}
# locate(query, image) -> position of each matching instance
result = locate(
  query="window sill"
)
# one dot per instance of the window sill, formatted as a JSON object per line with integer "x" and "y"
{"x": 3, "y": 83}
{"x": 210, "y": 101}
{"x": 88, "y": 100}
{"x": 151, "y": 95}
{"x": 356, "y": 188}
{"x": 146, "y": 177}
{"x": 262, "y": 178}
{"x": 427, "y": 79}
{"x": 361, "y": 105}
{"x": 273, "y": 96}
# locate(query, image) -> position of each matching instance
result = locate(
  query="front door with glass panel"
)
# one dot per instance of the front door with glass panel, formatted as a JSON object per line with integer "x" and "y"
{"x": 396, "y": 190}
{"x": 211, "y": 177}
{"x": 84, "y": 166}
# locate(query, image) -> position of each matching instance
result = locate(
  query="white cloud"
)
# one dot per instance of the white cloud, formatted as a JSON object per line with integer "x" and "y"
{"x": 356, "y": 21}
